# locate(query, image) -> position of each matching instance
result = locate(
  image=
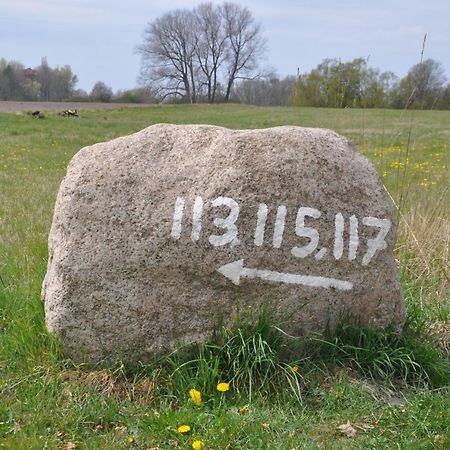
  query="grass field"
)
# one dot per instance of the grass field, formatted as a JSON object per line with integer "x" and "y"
{"x": 394, "y": 393}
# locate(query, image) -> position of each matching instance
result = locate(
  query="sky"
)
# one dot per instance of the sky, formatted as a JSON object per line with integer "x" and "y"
{"x": 98, "y": 38}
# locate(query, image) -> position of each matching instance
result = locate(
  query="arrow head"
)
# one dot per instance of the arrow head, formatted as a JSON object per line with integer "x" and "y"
{"x": 232, "y": 271}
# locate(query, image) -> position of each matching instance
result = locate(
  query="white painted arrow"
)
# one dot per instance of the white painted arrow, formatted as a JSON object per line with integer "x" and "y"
{"x": 235, "y": 270}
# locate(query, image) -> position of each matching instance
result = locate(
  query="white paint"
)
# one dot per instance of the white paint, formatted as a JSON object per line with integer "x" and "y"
{"x": 320, "y": 254}
{"x": 354, "y": 238}
{"x": 177, "y": 218}
{"x": 338, "y": 236}
{"x": 235, "y": 270}
{"x": 279, "y": 226}
{"x": 197, "y": 219}
{"x": 301, "y": 231}
{"x": 228, "y": 223}
{"x": 379, "y": 243}
{"x": 261, "y": 224}
{"x": 231, "y": 232}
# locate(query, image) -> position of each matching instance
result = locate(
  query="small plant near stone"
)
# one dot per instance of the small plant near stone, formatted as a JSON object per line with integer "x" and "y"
{"x": 388, "y": 356}
{"x": 249, "y": 354}
{"x": 260, "y": 360}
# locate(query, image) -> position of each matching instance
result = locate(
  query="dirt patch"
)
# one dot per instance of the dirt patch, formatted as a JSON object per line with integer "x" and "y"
{"x": 15, "y": 107}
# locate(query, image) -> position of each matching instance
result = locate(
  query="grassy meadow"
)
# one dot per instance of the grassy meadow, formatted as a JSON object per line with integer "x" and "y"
{"x": 354, "y": 390}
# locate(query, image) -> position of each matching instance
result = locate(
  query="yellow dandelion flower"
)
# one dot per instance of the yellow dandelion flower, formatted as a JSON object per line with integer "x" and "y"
{"x": 184, "y": 429}
{"x": 243, "y": 410}
{"x": 223, "y": 387}
{"x": 198, "y": 444}
{"x": 397, "y": 165}
{"x": 196, "y": 396}
{"x": 295, "y": 369}
{"x": 131, "y": 440}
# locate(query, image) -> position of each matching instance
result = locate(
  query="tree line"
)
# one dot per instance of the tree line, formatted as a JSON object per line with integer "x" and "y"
{"x": 44, "y": 83}
{"x": 214, "y": 53}
{"x": 41, "y": 83}
{"x": 354, "y": 84}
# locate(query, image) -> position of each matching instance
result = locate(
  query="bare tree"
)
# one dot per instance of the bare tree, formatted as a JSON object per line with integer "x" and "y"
{"x": 64, "y": 82}
{"x": 268, "y": 90}
{"x": 168, "y": 54}
{"x": 10, "y": 88}
{"x": 246, "y": 44}
{"x": 190, "y": 53}
{"x": 45, "y": 78}
{"x": 423, "y": 85}
{"x": 428, "y": 79}
{"x": 101, "y": 92}
{"x": 211, "y": 46}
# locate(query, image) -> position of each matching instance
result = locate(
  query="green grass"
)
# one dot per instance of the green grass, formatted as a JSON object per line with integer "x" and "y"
{"x": 393, "y": 389}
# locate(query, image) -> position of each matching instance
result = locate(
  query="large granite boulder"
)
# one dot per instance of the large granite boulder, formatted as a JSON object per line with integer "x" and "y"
{"x": 158, "y": 236}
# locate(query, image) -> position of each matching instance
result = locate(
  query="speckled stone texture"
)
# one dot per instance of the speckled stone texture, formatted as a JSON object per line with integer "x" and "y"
{"x": 133, "y": 270}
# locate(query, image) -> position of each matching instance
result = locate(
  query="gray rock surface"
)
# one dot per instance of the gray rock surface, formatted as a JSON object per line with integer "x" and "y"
{"x": 158, "y": 235}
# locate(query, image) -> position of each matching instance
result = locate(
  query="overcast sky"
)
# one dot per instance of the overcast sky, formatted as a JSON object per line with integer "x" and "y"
{"x": 98, "y": 37}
